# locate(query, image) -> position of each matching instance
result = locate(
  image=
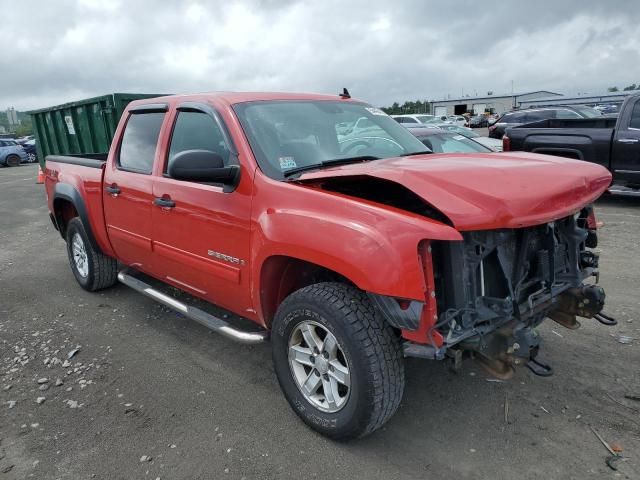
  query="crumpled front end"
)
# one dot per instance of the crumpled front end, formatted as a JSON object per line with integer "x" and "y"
{"x": 496, "y": 286}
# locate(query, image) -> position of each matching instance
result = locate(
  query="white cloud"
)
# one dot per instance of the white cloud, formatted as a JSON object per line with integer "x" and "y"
{"x": 415, "y": 50}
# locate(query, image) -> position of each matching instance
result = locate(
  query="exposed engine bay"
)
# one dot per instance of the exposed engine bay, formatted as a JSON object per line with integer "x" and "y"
{"x": 494, "y": 288}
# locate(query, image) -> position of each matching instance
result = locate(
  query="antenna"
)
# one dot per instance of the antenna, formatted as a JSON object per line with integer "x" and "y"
{"x": 345, "y": 93}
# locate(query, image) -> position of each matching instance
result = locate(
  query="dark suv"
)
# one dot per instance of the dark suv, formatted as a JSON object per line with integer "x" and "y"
{"x": 519, "y": 117}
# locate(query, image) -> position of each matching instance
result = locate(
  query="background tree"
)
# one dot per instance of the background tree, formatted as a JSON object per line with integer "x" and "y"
{"x": 408, "y": 108}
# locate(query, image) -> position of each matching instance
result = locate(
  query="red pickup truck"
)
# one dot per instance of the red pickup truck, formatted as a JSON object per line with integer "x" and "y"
{"x": 350, "y": 251}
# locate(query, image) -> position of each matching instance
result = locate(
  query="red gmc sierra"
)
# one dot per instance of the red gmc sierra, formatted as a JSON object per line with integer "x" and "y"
{"x": 350, "y": 250}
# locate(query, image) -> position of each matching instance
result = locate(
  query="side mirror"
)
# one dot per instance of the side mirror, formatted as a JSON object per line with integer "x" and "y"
{"x": 203, "y": 166}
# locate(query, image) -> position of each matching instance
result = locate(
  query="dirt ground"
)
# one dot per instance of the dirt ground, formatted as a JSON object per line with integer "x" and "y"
{"x": 150, "y": 395}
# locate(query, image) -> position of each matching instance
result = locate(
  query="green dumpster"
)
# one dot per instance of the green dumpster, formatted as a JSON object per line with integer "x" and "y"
{"x": 82, "y": 127}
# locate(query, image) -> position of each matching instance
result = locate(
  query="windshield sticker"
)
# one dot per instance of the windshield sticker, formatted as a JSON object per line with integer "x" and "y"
{"x": 287, "y": 162}
{"x": 375, "y": 111}
{"x": 458, "y": 137}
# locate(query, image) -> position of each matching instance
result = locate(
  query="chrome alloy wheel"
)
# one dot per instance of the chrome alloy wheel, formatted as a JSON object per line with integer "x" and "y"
{"x": 319, "y": 366}
{"x": 80, "y": 255}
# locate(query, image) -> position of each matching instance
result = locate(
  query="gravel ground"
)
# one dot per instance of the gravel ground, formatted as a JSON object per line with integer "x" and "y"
{"x": 113, "y": 386}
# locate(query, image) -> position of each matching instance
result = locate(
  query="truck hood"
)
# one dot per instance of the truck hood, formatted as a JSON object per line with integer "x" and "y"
{"x": 485, "y": 191}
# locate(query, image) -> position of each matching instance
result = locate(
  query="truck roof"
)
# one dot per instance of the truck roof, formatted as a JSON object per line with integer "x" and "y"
{"x": 242, "y": 97}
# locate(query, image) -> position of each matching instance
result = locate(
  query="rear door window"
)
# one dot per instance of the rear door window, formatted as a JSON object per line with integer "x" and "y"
{"x": 196, "y": 131}
{"x": 139, "y": 142}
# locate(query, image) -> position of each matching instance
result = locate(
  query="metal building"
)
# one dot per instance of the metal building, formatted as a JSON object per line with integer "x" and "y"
{"x": 490, "y": 103}
{"x": 605, "y": 98}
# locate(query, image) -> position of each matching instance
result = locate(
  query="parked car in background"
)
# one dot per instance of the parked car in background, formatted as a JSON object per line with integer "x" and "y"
{"x": 11, "y": 154}
{"x": 441, "y": 141}
{"x": 492, "y": 143}
{"x": 24, "y": 139}
{"x": 611, "y": 142}
{"x": 29, "y": 146}
{"x": 457, "y": 120}
{"x": 478, "y": 121}
{"x": 520, "y": 117}
{"x": 454, "y": 128}
{"x": 415, "y": 118}
{"x": 608, "y": 109}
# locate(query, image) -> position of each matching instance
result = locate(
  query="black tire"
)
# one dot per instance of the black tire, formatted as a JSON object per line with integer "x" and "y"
{"x": 371, "y": 348}
{"x": 12, "y": 161}
{"x": 102, "y": 271}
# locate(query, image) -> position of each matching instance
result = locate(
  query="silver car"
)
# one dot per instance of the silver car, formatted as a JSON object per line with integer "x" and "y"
{"x": 11, "y": 153}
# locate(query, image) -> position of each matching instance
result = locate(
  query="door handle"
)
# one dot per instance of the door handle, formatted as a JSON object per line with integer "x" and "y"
{"x": 628, "y": 140}
{"x": 114, "y": 190}
{"x": 164, "y": 202}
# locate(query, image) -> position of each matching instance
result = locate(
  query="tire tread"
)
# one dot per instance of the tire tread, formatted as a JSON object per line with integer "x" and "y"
{"x": 105, "y": 269}
{"x": 377, "y": 339}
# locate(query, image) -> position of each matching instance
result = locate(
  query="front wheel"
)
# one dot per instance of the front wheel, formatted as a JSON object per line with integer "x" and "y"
{"x": 12, "y": 161}
{"x": 93, "y": 270}
{"x": 338, "y": 362}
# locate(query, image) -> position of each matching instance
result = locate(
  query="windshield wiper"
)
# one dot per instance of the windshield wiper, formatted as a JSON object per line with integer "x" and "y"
{"x": 416, "y": 153}
{"x": 332, "y": 162}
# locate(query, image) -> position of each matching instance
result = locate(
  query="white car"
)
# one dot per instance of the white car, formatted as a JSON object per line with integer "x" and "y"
{"x": 457, "y": 120}
{"x": 415, "y": 118}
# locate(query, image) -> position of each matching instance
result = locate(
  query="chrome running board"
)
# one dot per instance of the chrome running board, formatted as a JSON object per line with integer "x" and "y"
{"x": 624, "y": 191}
{"x": 203, "y": 318}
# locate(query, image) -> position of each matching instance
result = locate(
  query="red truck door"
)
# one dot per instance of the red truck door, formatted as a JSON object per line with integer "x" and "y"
{"x": 201, "y": 234}
{"x": 128, "y": 188}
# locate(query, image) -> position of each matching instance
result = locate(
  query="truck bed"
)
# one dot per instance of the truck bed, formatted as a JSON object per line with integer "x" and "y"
{"x": 584, "y": 139}
{"x": 92, "y": 160}
{"x": 79, "y": 178}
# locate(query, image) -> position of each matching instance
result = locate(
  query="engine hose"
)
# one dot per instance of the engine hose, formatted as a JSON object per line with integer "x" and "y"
{"x": 605, "y": 319}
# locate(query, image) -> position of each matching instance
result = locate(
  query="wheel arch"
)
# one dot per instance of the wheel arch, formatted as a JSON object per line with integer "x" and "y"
{"x": 281, "y": 275}
{"x": 67, "y": 204}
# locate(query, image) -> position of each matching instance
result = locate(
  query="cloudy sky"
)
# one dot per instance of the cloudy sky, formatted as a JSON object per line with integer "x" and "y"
{"x": 384, "y": 51}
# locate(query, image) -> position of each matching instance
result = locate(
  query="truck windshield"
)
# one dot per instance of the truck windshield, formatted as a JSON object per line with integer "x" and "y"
{"x": 291, "y": 134}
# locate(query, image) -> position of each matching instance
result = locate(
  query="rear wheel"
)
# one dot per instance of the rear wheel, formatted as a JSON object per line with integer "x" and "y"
{"x": 12, "y": 161}
{"x": 338, "y": 362}
{"x": 93, "y": 270}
